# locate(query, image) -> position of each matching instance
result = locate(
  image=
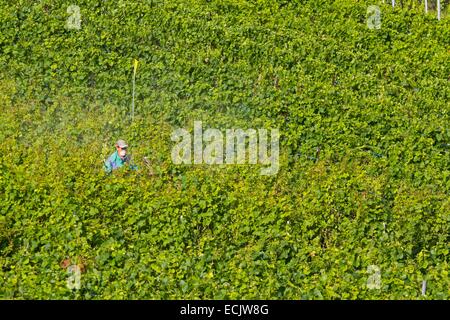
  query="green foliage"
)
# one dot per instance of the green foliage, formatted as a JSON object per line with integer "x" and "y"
{"x": 376, "y": 102}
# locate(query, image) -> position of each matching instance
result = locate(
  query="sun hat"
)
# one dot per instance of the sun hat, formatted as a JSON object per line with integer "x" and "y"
{"x": 121, "y": 144}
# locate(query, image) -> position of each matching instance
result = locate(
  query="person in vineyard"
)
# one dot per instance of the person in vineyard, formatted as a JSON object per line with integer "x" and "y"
{"x": 119, "y": 158}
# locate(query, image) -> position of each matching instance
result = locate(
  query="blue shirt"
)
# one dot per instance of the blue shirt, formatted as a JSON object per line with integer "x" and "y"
{"x": 115, "y": 161}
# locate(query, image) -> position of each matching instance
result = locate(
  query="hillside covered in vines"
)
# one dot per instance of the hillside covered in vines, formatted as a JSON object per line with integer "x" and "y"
{"x": 364, "y": 176}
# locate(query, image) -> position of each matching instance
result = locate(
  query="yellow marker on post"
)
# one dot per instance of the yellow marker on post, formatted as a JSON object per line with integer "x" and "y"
{"x": 135, "y": 64}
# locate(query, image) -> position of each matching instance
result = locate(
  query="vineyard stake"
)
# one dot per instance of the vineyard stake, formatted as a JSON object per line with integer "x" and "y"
{"x": 135, "y": 63}
{"x": 426, "y": 6}
{"x": 424, "y": 287}
{"x": 439, "y": 9}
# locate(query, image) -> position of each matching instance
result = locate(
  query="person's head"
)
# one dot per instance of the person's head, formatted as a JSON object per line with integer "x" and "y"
{"x": 121, "y": 147}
